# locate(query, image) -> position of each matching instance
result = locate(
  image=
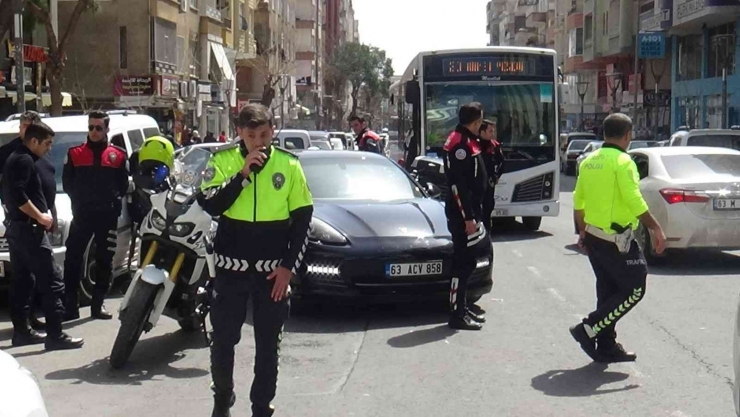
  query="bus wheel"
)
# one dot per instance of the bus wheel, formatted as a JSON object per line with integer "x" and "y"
{"x": 532, "y": 223}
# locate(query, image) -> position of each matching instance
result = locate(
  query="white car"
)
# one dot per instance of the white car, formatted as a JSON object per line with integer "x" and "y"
{"x": 127, "y": 131}
{"x": 694, "y": 193}
{"x": 20, "y": 395}
{"x": 723, "y": 138}
{"x": 336, "y": 144}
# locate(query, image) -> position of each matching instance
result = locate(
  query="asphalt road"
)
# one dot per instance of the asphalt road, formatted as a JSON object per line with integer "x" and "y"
{"x": 404, "y": 361}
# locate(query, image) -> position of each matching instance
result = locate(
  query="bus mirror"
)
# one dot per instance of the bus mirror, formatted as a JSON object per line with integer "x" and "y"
{"x": 413, "y": 93}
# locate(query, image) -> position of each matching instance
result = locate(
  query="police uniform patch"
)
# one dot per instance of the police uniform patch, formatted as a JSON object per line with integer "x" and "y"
{"x": 461, "y": 154}
{"x": 209, "y": 173}
{"x": 278, "y": 180}
{"x": 112, "y": 157}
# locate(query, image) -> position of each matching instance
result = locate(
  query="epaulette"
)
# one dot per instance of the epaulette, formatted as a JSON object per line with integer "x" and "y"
{"x": 227, "y": 146}
{"x": 286, "y": 151}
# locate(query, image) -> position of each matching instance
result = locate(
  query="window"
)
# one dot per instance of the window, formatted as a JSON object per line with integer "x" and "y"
{"x": 613, "y": 20}
{"x": 136, "y": 138}
{"x": 123, "y": 47}
{"x": 695, "y": 166}
{"x": 643, "y": 166}
{"x": 294, "y": 143}
{"x": 181, "y": 55}
{"x": 722, "y": 49}
{"x": 165, "y": 41}
{"x": 588, "y": 27}
{"x": 690, "y": 51}
{"x": 714, "y": 112}
{"x": 575, "y": 44}
{"x": 151, "y": 131}
{"x": 648, "y": 7}
{"x": 194, "y": 4}
{"x": 717, "y": 141}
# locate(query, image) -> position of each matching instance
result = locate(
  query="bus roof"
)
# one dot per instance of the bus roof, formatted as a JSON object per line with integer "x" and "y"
{"x": 408, "y": 74}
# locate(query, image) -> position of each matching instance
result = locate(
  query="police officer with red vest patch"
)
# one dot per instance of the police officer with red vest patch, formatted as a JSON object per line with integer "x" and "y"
{"x": 95, "y": 177}
{"x": 466, "y": 176}
{"x": 367, "y": 140}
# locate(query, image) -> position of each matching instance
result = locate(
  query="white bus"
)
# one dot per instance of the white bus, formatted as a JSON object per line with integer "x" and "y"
{"x": 518, "y": 88}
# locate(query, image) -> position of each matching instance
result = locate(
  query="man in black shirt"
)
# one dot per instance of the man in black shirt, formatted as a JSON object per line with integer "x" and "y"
{"x": 493, "y": 158}
{"x": 29, "y": 219}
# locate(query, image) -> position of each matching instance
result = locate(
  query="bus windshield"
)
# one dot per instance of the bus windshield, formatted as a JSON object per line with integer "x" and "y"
{"x": 523, "y": 113}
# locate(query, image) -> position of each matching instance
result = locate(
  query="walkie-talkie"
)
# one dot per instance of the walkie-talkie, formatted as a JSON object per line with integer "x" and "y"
{"x": 257, "y": 168}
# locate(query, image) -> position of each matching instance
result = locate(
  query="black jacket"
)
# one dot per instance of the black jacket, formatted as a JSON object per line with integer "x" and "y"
{"x": 466, "y": 175}
{"x": 95, "y": 177}
{"x": 21, "y": 183}
{"x": 493, "y": 158}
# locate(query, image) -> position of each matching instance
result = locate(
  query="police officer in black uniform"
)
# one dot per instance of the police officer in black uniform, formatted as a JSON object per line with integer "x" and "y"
{"x": 95, "y": 177}
{"x": 29, "y": 219}
{"x": 467, "y": 179}
{"x": 367, "y": 140}
{"x": 494, "y": 161}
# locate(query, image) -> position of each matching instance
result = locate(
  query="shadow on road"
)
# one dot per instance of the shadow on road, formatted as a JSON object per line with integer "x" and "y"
{"x": 421, "y": 337}
{"x": 582, "y": 382}
{"x": 153, "y": 357}
{"x": 701, "y": 263}
{"x": 514, "y": 231}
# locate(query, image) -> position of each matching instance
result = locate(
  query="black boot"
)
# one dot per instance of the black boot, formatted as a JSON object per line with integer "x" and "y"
{"x": 32, "y": 337}
{"x": 263, "y": 411}
{"x": 99, "y": 312}
{"x": 222, "y": 405}
{"x": 615, "y": 353}
{"x": 37, "y": 324}
{"x": 587, "y": 343}
{"x": 63, "y": 342}
{"x": 463, "y": 323}
{"x": 478, "y": 318}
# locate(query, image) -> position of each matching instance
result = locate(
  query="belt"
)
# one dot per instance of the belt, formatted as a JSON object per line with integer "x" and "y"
{"x": 597, "y": 232}
{"x": 242, "y": 265}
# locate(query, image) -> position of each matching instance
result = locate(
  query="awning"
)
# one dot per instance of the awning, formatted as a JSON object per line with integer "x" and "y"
{"x": 14, "y": 95}
{"x": 229, "y": 80}
{"x": 66, "y": 99}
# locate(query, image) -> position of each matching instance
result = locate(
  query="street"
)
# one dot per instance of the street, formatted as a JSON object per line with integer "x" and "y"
{"x": 404, "y": 361}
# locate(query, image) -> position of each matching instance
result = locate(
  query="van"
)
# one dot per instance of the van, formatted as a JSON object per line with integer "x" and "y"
{"x": 721, "y": 138}
{"x": 292, "y": 139}
{"x": 127, "y": 131}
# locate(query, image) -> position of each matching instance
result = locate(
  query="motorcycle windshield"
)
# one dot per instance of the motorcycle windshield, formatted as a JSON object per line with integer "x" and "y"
{"x": 190, "y": 166}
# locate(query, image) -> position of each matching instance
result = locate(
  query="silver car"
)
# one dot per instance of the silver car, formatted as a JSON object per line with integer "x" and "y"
{"x": 591, "y": 147}
{"x": 694, "y": 192}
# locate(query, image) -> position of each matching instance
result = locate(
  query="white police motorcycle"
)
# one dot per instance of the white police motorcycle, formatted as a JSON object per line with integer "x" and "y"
{"x": 176, "y": 237}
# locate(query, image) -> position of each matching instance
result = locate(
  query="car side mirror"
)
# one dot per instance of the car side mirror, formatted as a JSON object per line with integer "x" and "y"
{"x": 433, "y": 190}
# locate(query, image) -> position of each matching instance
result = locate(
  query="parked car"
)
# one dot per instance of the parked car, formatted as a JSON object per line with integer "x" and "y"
{"x": 591, "y": 147}
{"x": 723, "y": 138}
{"x": 400, "y": 251}
{"x": 319, "y": 135}
{"x": 343, "y": 138}
{"x": 324, "y": 145}
{"x": 20, "y": 394}
{"x": 694, "y": 193}
{"x": 292, "y": 139}
{"x": 337, "y": 144}
{"x": 127, "y": 131}
{"x": 576, "y": 143}
{"x": 638, "y": 144}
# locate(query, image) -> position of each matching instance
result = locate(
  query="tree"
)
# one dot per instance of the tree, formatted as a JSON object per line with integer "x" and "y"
{"x": 57, "y": 46}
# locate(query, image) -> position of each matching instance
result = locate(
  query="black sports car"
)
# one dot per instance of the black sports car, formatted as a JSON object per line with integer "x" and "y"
{"x": 377, "y": 234}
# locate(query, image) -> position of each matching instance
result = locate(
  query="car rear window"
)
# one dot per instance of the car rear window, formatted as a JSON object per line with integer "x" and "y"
{"x": 719, "y": 141}
{"x": 294, "y": 143}
{"x": 578, "y": 145}
{"x": 688, "y": 166}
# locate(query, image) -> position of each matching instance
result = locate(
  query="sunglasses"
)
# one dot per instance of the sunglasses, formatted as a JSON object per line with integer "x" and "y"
{"x": 92, "y": 127}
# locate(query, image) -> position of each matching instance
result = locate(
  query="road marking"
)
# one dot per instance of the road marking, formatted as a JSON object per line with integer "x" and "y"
{"x": 534, "y": 271}
{"x": 517, "y": 253}
{"x": 556, "y": 295}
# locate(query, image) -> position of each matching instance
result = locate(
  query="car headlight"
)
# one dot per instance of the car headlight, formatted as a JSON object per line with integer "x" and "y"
{"x": 158, "y": 221}
{"x": 57, "y": 236}
{"x": 181, "y": 229}
{"x": 321, "y": 231}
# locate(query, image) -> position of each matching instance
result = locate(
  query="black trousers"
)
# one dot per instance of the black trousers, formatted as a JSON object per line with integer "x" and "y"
{"x": 31, "y": 254}
{"x": 463, "y": 262}
{"x": 620, "y": 286}
{"x": 489, "y": 203}
{"x": 231, "y": 292}
{"x": 101, "y": 225}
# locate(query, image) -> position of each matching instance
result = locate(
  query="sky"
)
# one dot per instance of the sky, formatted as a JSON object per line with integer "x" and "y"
{"x": 403, "y": 28}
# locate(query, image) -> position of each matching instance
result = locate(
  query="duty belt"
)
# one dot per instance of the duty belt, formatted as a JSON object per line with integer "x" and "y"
{"x": 242, "y": 265}
{"x": 623, "y": 241}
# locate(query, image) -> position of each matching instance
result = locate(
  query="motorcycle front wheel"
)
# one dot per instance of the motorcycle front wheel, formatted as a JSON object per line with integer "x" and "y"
{"x": 137, "y": 312}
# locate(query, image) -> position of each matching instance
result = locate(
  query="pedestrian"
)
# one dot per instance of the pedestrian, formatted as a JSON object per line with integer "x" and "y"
{"x": 466, "y": 177}
{"x": 96, "y": 180}
{"x": 29, "y": 219}
{"x": 366, "y": 140}
{"x": 195, "y": 138}
{"x": 260, "y": 193}
{"x": 493, "y": 158}
{"x": 210, "y": 138}
{"x": 608, "y": 208}
{"x": 187, "y": 138}
{"x": 222, "y": 137}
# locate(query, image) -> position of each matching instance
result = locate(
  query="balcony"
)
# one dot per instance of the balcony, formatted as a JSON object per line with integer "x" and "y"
{"x": 537, "y": 20}
{"x": 246, "y": 46}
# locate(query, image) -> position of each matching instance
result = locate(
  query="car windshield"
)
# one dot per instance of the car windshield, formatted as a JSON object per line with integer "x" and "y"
{"x": 639, "y": 144}
{"x": 691, "y": 166}
{"x": 321, "y": 144}
{"x": 578, "y": 145}
{"x": 357, "y": 179}
{"x": 719, "y": 141}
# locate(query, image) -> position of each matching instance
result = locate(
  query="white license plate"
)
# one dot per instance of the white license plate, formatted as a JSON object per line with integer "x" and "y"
{"x": 501, "y": 212}
{"x": 414, "y": 269}
{"x": 726, "y": 204}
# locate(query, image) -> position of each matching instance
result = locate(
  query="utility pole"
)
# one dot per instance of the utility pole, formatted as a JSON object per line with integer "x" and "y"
{"x": 20, "y": 82}
{"x": 317, "y": 82}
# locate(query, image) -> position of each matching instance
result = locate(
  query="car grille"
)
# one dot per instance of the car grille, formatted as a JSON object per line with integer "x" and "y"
{"x": 534, "y": 189}
{"x": 3, "y": 244}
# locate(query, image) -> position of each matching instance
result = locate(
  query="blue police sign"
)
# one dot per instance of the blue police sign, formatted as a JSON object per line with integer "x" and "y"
{"x": 651, "y": 45}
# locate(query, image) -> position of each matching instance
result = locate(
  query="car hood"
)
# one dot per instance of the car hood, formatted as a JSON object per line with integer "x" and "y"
{"x": 416, "y": 218}
{"x": 19, "y": 390}
{"x": 64, "y": 211}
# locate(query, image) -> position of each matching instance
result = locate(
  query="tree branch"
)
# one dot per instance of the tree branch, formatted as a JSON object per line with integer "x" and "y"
{"x": 73, "y": 21}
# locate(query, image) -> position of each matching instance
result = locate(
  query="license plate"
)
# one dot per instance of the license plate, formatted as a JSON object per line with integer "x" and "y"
{"x": 501, "y": 212}
{"x": 726, "y": 204}
{"x": 414, "y": 269}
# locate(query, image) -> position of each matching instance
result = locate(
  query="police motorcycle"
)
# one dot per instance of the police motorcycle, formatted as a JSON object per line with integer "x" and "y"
{"x": 176, "y": 237}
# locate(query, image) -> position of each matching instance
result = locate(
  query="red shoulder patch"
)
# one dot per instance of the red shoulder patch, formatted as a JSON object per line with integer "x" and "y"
{"x": 113, "y": 157}
{"x": 81, "y": 155}
{"x": 474, "y": 147}
{"x": 453, "y": 140}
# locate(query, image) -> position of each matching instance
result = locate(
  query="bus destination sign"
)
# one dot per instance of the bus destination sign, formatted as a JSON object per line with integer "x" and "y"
{"x": 491, "y": 67}
{"x": 485, "y": 66}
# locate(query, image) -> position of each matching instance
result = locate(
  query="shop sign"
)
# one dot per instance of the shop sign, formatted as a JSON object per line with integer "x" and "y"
{"x": 31, "y": 53}
{"x": 204, "y": 92}
{"x": 170, "y": 86}
{"x": 133, "y": 86}
{"x": 658, "y": 99}
{"x": 651, "y": 45}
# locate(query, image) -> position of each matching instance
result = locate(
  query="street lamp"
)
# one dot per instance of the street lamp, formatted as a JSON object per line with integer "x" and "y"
{"x": 582, "y": 88}
{"x": 723, "y": 43}
{"x": 616, "y": 78}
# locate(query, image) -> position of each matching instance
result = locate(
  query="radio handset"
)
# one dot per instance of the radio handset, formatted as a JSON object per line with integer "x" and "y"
{"x": 256, "y": 168}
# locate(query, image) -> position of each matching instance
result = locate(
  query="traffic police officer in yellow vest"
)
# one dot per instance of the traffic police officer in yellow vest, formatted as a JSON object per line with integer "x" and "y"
{"x": 608, "y": 208}
{"x": 265, "y": 208}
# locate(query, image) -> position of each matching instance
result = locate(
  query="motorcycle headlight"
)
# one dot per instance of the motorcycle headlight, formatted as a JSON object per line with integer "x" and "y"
{"x": 158, "y": 221}
{"x": 181, "y": 229}
{"x": 57, "y": 236}
{"x": 320, "y": 231}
